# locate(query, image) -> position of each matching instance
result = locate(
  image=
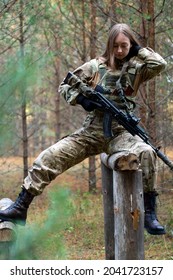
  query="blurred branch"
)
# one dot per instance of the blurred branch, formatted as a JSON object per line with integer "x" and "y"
{"x": 6, "y": 6}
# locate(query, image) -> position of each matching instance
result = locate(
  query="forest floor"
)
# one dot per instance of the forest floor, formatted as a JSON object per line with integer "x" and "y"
{"x": 76, "y": 230}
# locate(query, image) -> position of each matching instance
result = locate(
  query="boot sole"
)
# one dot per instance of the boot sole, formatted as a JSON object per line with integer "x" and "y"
{"x": 16, "y": 222}
{"x": 155, "y": 232}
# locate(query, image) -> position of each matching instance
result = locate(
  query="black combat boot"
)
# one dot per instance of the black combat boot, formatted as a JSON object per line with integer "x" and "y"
{"x": 152, "y": 224}
{"x": 17, "y": 212}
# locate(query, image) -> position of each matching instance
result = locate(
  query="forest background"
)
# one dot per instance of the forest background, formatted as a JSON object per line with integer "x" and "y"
{"x": 40, "y": 41}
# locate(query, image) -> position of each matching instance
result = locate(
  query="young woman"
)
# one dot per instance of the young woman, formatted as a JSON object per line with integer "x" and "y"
{"x": 125, "y": 59}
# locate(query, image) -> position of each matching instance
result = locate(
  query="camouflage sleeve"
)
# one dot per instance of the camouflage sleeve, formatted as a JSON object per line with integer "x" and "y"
{"x": 152, "y": 65}
{"x": 85, "y": 73}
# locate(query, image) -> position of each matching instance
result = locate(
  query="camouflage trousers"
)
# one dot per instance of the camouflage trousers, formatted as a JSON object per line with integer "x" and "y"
{"x": 85, "y": 142}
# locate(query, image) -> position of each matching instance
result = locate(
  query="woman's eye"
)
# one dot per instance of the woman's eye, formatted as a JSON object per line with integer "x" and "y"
{"x": 122, "y": 46}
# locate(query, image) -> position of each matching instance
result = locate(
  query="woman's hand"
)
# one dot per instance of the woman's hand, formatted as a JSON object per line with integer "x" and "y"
{"x": 133, "y": 51}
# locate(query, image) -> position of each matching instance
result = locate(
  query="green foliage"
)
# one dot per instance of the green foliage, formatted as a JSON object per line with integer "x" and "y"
{"x": 46, "y": 238}
{"x": 17, "y": 82}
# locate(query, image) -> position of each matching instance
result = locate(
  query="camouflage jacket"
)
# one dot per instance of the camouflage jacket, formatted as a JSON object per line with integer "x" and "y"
{"x": 142, "y": 68}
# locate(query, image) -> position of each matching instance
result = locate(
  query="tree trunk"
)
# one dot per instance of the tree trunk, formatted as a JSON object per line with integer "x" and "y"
{"x": 147, "y": 94}
{"x": 112, "y": 12}
{"x": 151, "y": 84}
{"x": 143, "y": 42}
{"x": 23, "y": 95}
{"x": 57, "y": 96}
{"x": 93, "y": 37}
{"x": 83, "y": 32}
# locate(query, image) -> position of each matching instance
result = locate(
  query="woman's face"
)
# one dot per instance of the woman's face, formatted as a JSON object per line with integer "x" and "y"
{"x": 122, "y": 46}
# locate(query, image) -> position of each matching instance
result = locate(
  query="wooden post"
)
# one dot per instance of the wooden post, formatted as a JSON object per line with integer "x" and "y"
{"x": 127, "y": 203}
{"x": 107, "y": 190}
{"x": 129, "y": 215}
{"x": 7, "y": 232}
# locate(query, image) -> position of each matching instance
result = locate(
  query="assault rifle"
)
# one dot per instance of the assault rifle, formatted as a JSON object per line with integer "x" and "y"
{"x": 128, "y": 120}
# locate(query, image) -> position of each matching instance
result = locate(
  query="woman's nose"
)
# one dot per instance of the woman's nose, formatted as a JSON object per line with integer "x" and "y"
{"x": 119, "y": 49}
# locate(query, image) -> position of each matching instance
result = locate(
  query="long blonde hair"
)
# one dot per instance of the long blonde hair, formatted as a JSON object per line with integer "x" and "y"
{"x": 108, "y": 55}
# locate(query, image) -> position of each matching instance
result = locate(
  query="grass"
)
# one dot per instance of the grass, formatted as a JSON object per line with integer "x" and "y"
{"x": 77, "y": 232}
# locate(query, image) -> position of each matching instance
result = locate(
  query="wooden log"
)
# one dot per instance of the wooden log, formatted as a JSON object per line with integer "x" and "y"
{"x": 7, "y": 232}
{"x": 128, "y": 215}
{"x": 121, "y": 161}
